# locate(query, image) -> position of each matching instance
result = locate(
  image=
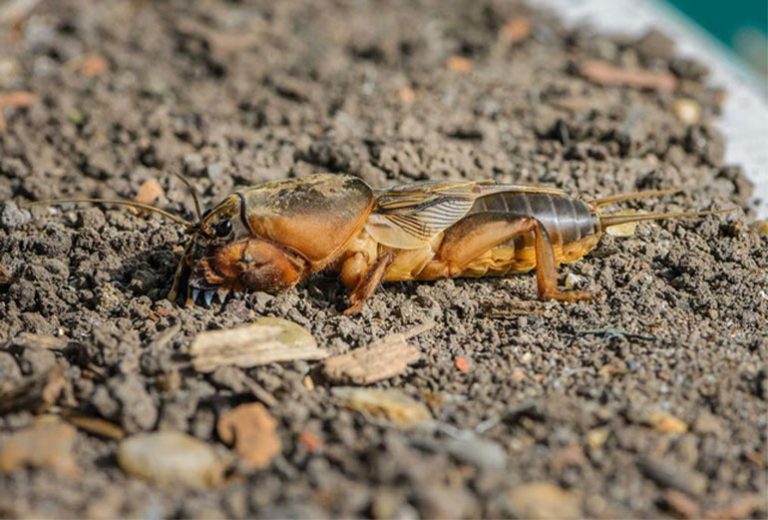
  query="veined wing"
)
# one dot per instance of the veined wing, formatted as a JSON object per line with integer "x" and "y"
{"x": 409, "y": 216}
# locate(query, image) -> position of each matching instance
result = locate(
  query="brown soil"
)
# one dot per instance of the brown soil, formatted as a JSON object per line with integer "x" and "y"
{"x": 238, "y": 93}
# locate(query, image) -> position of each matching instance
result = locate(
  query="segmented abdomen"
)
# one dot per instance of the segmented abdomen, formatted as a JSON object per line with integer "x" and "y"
{"x": 566, "y": 220}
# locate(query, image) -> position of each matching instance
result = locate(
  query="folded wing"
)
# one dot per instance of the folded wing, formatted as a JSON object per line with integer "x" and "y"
{"x": 409, "y": 216}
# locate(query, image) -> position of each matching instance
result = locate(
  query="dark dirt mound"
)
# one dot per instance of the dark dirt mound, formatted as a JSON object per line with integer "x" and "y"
{"x": 648, "y": 401}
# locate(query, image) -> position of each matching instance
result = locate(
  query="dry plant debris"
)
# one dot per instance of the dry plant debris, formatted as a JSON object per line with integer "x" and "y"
{"x": 170, "y": 458}
{"x": 391, "y": 404}
{"x": 267, "y": 340}
{"x": 604, "y": 73}
{"x": 43, "y": 445}
{"x": 382, "y": 359}
{"x": 253, "y": 432}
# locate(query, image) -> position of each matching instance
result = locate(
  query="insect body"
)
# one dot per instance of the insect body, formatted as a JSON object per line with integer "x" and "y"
{"x": 271, "y": 236}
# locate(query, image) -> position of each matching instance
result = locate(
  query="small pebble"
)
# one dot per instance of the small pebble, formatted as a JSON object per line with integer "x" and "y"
{"x": 687, "y": 110}
{"x": 544, "y": 500}
{"x": 483, "y": 453}
{"x": 171, "y": 458}
{"x": 13, "y": 217}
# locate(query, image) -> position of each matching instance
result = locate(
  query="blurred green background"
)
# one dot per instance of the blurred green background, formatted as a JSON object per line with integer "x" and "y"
{"x": 740, "y": 24}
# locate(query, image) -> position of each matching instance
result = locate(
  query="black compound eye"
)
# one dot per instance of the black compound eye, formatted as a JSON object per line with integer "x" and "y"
{"x": 223, "y": 228}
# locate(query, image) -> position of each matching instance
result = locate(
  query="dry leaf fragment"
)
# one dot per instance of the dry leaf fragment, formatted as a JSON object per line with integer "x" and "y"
{"x": 267, "y": 340}
{"x": 382, "y": 359}
{"x": 253, "y": 431}
{"x": 35, "y": 394}
{"x": 604, "y": 73}
{"x": 149, "y": 192}
{"x": 391, "y": 404}
{"x": 517, "y": 29}
{"x": 44, "y": 445}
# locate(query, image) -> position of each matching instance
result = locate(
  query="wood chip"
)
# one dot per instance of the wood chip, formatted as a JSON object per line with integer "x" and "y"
{"x": 391, "y": 404}
{"x": 517, "y": 29}
{"x": 253, "y": 432}
{"x": 95, "y": 425}
{"x": 149, "y": 192}
{"x": 268, "y": 340}
{"x": 383, "y": 359}
{"x": 604, "y": 73}
{"x": 459, "y": 64}
{"x": 35, "y": 394}
{"x": 44, "y": 445}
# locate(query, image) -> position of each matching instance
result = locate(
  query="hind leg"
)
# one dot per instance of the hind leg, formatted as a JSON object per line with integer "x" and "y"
{"x": 368, "y": 282}
{"x": 476, "y": 234}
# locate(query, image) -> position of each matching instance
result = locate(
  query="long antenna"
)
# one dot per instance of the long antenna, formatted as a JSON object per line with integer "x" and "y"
{"x": 116, "y": 202}
{"x": 193, "y": 192}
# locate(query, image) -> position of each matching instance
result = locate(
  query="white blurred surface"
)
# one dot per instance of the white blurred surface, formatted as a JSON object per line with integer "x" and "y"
{"x": 745, "y": 114}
